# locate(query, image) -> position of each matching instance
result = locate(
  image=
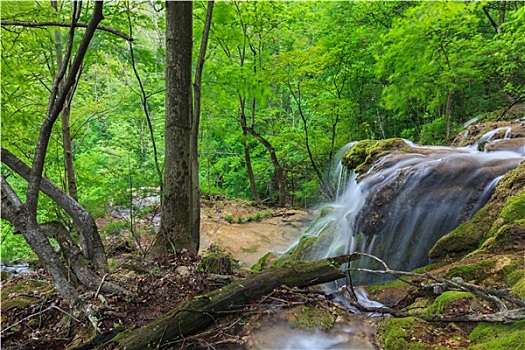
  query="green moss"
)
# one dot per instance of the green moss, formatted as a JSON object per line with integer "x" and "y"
{"x": 365, "y": 153}
{"x": 472, "y": 272}
{"x": 518, "y": 289}
{"x": 327, "y": 210}
{"x": 498, "y": 336}
{"x": 443, "y": 300}
{"x": 218, "y": 261}
{"x": 261, "y": 264}
{"x": 397, "y": 334}
{"x": 514, "y": 208}
{"x": 513, "y": 277}
{"x": 311, "y": 318}
{"x": 11, "y": 300}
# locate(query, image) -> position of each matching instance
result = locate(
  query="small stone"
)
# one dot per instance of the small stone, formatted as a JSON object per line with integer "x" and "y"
{"x": 183, "y": 271}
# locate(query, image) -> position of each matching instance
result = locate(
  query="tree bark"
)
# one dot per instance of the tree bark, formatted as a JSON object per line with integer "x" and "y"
{"x": 70, "y": 178}
{"x": 176, "y": 227}
{"x": 249, "y": 168}
{"x": 247, "y": 156}
{"x": 195, "y": 315}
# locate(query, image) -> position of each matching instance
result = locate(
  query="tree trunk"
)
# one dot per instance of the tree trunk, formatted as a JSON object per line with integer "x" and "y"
{"x": 92, "y": 246}
{"x": 247, "y": 157}
{"x": 70, "y": 178}
{"x": 448, "y": 113}
{"x": 24, "y": 215}
{"x": 197, "y": 86}
{"x": 249, "y": 168}
{"x": 176, "y": 227}
{"x": 325, "y": 185}
{"x": 279, "y": 171}
{"x": 195, "y": 315}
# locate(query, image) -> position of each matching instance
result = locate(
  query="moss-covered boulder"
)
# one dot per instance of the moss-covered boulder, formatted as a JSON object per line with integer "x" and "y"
{"x": 310, "y": 318}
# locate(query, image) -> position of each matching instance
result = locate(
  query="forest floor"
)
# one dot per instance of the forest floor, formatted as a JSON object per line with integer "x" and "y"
{"x": 35, "y": 317}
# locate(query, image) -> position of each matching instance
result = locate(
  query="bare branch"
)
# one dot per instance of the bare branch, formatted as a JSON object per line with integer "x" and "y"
{"x": 66, "y": 25}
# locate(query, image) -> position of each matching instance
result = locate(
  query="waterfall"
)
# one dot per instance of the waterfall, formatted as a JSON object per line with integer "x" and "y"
{"x": 405, "y": 203}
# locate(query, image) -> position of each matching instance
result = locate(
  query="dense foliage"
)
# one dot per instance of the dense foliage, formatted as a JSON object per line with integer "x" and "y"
{"x": 299, "y": 78}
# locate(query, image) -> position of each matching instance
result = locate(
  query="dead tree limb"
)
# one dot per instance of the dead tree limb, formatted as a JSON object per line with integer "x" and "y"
{"x": 490, "y": 294}
{"x": 196, "y": 315}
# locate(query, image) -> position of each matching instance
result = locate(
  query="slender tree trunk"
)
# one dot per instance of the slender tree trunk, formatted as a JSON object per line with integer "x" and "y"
{"x": 279, "y": 171}
{"x": 249, "y": 168}
{"x": 247, "y": 157}
{"x": 176, "y": 227}
{"x": 24, "y": 215}
{"x": 197, "y": 86}
{"x": 448, "y": 112}
{"x": 325, "y": 185}
{"x": 70, "y": 181}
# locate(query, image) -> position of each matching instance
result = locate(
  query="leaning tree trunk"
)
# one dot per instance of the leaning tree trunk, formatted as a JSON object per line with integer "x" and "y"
{"x": 24, "y": 215}
{"x": 195, "y": 315}
{"x": 92, "y": 246}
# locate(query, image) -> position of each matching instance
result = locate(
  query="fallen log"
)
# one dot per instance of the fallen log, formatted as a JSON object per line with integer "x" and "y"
{"x": 196, "y": 315}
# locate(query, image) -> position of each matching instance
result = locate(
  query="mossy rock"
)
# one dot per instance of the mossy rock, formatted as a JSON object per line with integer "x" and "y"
{"x": 506, "y": 207}
{"x": 267, "y": 260}
{"x": 403, "y": 333}
{"x": 217, "y": 261}
{"x": 365, "y": 153}
{"x": 488, "y": 336}
{"x": 444, "y": 300}
{"x": 518, "y": 288}
{"x": 310, "y": 318}
{"x": 30, "y": 290}
{"x": 488, "y": 270}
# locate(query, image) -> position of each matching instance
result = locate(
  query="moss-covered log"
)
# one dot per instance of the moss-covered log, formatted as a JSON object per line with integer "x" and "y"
{"x": 195, "y": 315}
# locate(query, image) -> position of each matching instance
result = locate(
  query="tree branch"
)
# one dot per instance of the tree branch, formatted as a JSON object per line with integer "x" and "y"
{"x": 67, "y": 25}
{"x": 490, "y": 294}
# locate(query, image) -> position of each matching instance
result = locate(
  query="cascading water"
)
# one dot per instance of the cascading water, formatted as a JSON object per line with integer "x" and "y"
{"x": 405, "y": 203}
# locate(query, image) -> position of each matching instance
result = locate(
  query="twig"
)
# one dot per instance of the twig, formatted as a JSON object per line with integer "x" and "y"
{"x": 101, "y": 283}
{"x": 38, "y": 313}
{"x": 67, "y": 25}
